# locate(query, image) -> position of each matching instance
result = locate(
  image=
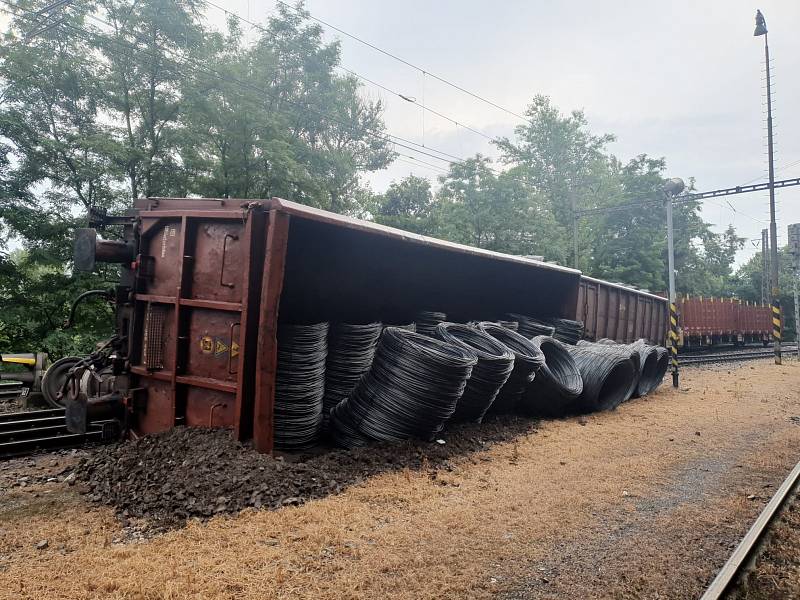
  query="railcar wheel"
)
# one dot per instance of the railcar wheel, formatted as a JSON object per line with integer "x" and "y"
{"x": 55, "y": 377}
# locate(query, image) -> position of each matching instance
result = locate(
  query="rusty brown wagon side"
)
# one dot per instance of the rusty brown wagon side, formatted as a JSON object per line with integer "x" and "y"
{"x": 209, "y": 279}
{"x": 613, "y": 311}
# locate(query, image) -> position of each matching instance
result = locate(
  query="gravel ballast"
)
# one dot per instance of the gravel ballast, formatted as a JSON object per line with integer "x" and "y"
{"x": 186, "y": 473}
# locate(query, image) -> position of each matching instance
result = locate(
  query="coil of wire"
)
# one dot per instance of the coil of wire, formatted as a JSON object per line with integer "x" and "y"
{"x": 530, "y": 327}
{"x": 299, "y": 384}
{"x": 407, "y": 326}
{"x": 427, "y": 320}
{"x": 662, "y": 366}
{"x": 351, "y": 348}
{"x": 609, "y": 376}
{"x": 558, "y": 383}
{"x": 567, "y": 330}
{"x": 410, "y": 391}
{"x": 528, "y": 361}
{"x": 648, "y": 367}
{"x": 512, "y": 325}
{"x": 495, "y": 363}
{"x": 626, "y": 350}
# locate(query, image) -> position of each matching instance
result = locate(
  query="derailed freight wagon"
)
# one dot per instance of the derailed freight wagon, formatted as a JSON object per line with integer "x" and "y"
{"x": 205, "y": 282}
{"x": 623, "y": 314}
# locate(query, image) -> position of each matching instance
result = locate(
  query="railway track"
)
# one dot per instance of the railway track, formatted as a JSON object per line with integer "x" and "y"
{"x": 733, "y": 356}
{"x": 26, "y": 432}
{"x": 748, "y": 549}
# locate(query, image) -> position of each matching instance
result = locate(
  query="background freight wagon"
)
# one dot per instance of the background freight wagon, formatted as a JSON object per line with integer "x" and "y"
{"x": 707, "y": 321}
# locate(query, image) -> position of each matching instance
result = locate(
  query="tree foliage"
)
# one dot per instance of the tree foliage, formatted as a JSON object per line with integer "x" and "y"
{"x": 123, "y": 99}
{"x": 120, "y": 99}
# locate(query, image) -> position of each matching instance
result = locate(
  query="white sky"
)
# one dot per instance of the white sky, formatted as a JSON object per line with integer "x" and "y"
{"x": 678, "y": 79}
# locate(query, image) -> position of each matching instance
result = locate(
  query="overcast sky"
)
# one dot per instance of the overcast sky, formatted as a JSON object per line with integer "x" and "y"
{"x": 680, "y": 79}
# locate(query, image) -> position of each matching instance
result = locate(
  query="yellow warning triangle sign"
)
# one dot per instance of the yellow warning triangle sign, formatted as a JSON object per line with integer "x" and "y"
{"x": 220, "y": 347}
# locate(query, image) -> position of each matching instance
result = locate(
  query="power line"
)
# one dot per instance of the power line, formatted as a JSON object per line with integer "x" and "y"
{"x": 391, "y": 138}
{"x": 403, "y": 61}
{"x": 739, "y": 189}
{"x": 404, "y": 97}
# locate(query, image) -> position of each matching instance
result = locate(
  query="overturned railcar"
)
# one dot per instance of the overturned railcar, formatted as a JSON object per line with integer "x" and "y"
{"x": 206, "y": 281}
{"x": 614, "y": 311}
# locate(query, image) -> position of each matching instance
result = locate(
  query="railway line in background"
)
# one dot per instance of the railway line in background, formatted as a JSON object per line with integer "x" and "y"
{"x": 726, "y": 355}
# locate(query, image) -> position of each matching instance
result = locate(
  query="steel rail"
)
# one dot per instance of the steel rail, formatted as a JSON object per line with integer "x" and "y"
{"x": 27, "y": 432}
{"x": 729, "y": 357}
{"x": 748, "y": 547}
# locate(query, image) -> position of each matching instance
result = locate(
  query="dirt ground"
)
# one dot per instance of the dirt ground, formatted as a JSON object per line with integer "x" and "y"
{"x": 643, "y": 502}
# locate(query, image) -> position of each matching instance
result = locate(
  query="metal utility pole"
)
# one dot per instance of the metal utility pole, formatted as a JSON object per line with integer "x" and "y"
{"x": 575, "y": 217}
{"x": 761, "y": 29}
{"x": 672, "y": 188}
{"x": 794, "y": 249}
{"x": 765, "y": 295}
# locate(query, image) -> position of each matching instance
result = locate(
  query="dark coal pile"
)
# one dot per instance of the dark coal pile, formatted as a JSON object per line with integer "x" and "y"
{"x": 300, "y": 384}
{"x": 427, "y": 320}
{"x": 410, "y": 391}
{"x": 186, "y": 473}
{"x": 351, "y": 349}
{"x": 495, "y": 363}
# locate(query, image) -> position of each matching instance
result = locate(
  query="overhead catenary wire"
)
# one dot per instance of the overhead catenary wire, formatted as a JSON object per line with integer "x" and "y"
{"x": 405, "y": 97}
{"x": 394, "y": 139}
{"x": 195, "y": 68}
{"x": 393, "y": 56}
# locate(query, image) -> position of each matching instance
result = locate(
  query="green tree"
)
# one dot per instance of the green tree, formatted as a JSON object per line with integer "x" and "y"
{"x": 407, "y": 204}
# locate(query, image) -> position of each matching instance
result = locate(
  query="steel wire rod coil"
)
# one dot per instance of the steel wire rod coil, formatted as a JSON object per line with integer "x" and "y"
{"x": 528, "y": 361}
{"x": 567, "y": 330}
{"x": 351, "y": 348}
{"x": 649, "y": 377}
{"x": 609, "y": 376}
{"x": 626, "y": 350}
{"x": 427, "y": 320}
{"x": 558, "y": 383}
{"x": 299, "y": 384}
{"x": 495, "y": 363}
{"x": 410, "y": 391}
{"x": 408, "y": 326}
{"x": 530, "y": 327}
{"x": 512, "y": 325}
{"x": 662, "y": 366}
